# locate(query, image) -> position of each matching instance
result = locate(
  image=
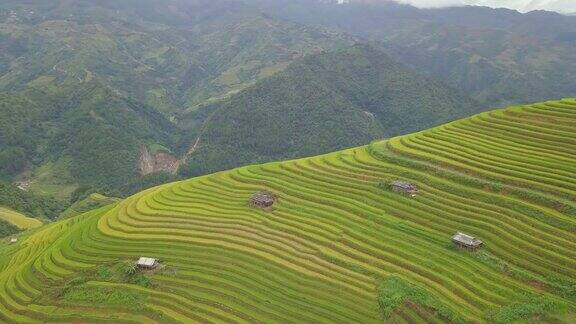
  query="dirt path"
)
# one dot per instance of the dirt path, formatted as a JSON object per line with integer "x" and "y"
{"x": 194, "y": 146}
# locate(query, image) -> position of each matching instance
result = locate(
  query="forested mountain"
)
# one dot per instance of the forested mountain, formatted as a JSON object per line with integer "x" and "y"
{"x": 324, "y": 102}
{"x": 498, "y": 56}
{"x": 94, "y": 89}
{"x": 27, "y": 203}
{"x": 77, "y": 134}
{"x": 86, "y": 84}
{"x": 104, "y": 95}
{"x": 169, "y": 54}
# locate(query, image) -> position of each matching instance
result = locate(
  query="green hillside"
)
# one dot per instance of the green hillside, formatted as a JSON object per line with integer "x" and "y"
{"x": 322, "y": 103}
{"x": 84, "y": 85}
{"x": 61, "y": 138}
{"x": 27, "y": 203}
{"x": 12, "y": 222}
{"x": 338, "y": 245}
{"x": 497, "y": 56}
{"x": 81, "y": 206}
{"x": 19, "y": 220}
{"x": 169, "y": 54}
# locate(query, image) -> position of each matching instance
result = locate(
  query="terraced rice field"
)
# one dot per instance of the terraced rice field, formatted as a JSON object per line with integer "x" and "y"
{"x": 337, "y": 246}
{"x": 18, "y": 219}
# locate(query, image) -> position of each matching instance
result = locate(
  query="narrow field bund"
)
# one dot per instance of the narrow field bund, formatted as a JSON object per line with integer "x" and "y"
{"x": 334, "y": 236}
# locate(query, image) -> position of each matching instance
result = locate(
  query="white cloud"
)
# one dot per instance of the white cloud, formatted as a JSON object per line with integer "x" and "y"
{"x": 568, "y": 6}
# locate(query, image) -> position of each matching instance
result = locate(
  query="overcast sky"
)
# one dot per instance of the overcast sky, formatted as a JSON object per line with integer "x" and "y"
{"x": 567, "y": 6}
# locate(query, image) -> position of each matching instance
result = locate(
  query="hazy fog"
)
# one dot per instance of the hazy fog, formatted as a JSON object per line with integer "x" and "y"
{"x": 566, "y": 6}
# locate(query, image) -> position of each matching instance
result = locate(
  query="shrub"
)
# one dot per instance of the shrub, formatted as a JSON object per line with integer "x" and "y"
{"x": 130, "y": 270}
{"x": 524, "y": 309}
{"x": 394, "y": 292}
{"x": 140, "y": 280}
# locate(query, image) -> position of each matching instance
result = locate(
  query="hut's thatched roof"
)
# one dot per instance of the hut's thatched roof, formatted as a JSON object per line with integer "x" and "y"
{"x": 146, "y": 262}
{"x": 466, "y": 239}
{"x": 263, "y": 198}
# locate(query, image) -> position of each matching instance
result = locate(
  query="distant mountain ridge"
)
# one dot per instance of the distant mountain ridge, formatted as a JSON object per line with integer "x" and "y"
{"x": 171, "y": 54}
{"x": 497, "y": 56}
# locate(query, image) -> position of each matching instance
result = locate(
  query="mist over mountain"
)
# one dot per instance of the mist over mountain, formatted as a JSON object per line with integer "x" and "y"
{"x": 563, "y": 6}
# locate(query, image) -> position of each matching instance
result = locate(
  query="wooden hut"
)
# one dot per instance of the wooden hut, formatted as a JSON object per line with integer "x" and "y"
{"x": 466, "y": 241}
{"x": 147, "y": 263}
{"x": 262, "y": 199}
{"x": 405, "y": 187}
{"x": 13, "y": 240}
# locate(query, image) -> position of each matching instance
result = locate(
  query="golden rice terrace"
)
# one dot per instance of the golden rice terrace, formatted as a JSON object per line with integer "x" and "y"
{"x": 336, "y": 246}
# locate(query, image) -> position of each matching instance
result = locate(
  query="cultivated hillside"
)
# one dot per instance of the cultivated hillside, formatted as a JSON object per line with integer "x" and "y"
{"x": 322, "y": 103}
{"x": 338, "y": 245}
{"x": 27, "y": 203}
{"x": 19, "y": 220}
{"x": 12, "y": 222}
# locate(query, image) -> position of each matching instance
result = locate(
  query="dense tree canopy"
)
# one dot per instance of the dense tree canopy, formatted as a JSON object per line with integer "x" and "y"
{"x": 322, "y": 103}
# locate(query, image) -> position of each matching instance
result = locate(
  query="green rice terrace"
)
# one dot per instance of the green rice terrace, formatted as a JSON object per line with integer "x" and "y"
{"x": 337, "y": 245}
{"x": 17, "y": 219}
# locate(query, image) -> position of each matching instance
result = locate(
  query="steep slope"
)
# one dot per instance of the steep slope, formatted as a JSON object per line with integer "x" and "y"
{"x": 19, "y": 220}
{"x": 83, "y": 205}
{"x": 77, "y": 134}
{"x": 12, "y": 222}
{"x": 338, "y": 245}
{"x": 321, "y": 103}
{"x": 13, "y": 198}
{"x": 499, "y": 56}
{"x": 88, "y": 86}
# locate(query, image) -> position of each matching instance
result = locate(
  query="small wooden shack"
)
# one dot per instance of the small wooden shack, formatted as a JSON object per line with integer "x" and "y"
{"x": 147, "y": 263}
{"x": 466, "y": 241}
{"x": 13, "y": 240}
{"x": 404, "y": 187}
{"x": 262, "y": 199}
